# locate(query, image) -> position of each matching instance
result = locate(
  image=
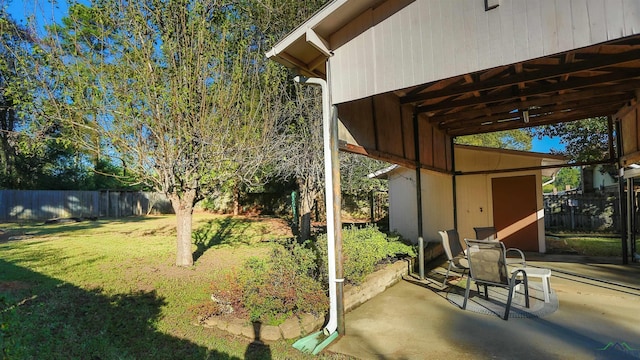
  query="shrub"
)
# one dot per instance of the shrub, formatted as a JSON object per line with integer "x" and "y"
{"x": 270, "y": 290}
{"x": 363, "y": 249}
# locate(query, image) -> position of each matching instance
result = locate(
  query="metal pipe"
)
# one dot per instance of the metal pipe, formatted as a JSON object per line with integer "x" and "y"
{"x": 332, "y": 198}
{"x": 623, "y": 207}
{"x": 337, "y": 210}
{"x": 421, "y": 257}
{"x": 453, "y": 184}
{"x": 416, "y": 145}
{"x": 630, "y": 229}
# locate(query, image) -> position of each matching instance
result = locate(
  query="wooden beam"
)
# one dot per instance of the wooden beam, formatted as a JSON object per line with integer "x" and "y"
{"x": 600, "y": 62}
{"x": 618, "y": 101}
{"x": 534, "y": 91}
{"x": 548, "y": 100}
{"x": 546, "y": 120}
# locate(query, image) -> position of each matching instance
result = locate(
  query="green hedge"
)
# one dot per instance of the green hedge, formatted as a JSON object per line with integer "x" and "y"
{"x": 294, "y": 278}
{"x": 363, "y": 249}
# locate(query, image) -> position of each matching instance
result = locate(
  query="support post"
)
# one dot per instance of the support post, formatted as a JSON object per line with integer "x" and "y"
{"x": 623, "y": 207}
{"x": 416, "y": 144}
{"x": 421, "y": 257}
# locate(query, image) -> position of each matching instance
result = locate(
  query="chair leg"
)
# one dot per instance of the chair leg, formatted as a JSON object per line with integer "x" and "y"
{"x": 444, "y": 282}
{"x": 466, "y": 294}
{"x": 526, "y": 290}
{"x": 509, "y": 298}
{"x": 512, "y": 285}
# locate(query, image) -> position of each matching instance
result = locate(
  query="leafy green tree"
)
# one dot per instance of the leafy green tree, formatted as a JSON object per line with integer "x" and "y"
{"x": 171, "y": 89}
{"x": 297, "y": 108}
{"x": 510, "y": 139}
{"x": 566, "y": 177}
{"x": 584, "y": 140}
{"x": 353, "y": 174}
{"x": 31, "y": 157}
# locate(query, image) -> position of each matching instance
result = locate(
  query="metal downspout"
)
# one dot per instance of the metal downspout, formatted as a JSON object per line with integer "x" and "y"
{"x": 337, "y": 210}
{"x": 453, "y": 183}
{"x": 334, "y": 224}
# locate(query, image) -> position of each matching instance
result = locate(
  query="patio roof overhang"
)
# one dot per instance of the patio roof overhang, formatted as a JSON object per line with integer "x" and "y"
{"x": 586, "y": 82}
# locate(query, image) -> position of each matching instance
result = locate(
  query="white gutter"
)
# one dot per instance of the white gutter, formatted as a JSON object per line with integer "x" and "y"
{"x": 301, "y": 31}
{"x": 327, "y": 135}
{"x": 553, "y": 178}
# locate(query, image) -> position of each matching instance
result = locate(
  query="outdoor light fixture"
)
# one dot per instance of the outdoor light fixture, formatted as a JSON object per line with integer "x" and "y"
{"x": 525, "y": 116}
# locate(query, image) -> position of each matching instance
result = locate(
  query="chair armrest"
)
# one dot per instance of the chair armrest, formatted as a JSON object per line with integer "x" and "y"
{"x": 516, "y": 261}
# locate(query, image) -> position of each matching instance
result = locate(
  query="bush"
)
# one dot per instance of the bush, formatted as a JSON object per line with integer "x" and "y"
{"x": 272, "y": 290}
{"x": 363, "y": 249}
{"x": 291, "y": 280}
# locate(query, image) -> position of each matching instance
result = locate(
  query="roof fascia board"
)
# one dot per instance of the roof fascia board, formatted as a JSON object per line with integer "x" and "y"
{"x": 301, "y": 31}
{"x": 319, "y": 43}
{"x": 548, "y": 157}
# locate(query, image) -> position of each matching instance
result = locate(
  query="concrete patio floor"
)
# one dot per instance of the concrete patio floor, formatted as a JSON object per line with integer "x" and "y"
{"x": 598, "y": 309}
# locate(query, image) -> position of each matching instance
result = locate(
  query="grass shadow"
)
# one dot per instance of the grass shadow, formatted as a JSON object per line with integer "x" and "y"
{"x": 21, "y": 230}
{"x": 45, "y": 318}
{"x": 227, "y": 230}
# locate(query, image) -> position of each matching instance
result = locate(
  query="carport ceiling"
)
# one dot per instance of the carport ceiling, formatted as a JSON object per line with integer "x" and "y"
{"x": 582, "y": 83}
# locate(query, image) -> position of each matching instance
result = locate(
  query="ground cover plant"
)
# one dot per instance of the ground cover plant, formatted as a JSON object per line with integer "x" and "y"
{"x": 109, "y": 289}
{"x": 293, "y": 280}
{"x": 365, "y": 248}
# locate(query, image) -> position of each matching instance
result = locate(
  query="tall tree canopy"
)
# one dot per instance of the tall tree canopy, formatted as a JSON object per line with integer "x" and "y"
{"x": 509, "y": 139}
{"x": 30, "y": 155}
{"x": 584, "y": 140}
{"x": 172, "y": 89}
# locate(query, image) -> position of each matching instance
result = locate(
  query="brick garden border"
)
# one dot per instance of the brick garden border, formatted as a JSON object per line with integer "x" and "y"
{"x": 298, "y": 326}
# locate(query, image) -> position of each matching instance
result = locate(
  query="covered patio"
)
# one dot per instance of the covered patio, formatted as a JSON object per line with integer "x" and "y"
{"x": 404, "y": 78}
{"x": 598, "y": 318}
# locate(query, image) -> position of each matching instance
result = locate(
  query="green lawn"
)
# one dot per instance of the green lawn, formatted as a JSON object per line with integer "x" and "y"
{"x": 109, "y": 290}
{"x": 584, "y": 245}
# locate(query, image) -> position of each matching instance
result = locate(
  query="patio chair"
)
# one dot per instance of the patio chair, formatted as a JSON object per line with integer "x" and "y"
{"x": 488, "y": 266}
{"x": 455, "y": 254}
{"x": 489, "y": 233}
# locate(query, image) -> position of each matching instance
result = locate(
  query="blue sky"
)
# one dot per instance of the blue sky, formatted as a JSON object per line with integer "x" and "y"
{"x": 20, "y": 10}
{"x": 46, "y": 11}
{"x": 546, "y": 144}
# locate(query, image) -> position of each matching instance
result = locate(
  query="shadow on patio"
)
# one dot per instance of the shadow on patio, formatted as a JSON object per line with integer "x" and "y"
{"x": 598, "y": 318}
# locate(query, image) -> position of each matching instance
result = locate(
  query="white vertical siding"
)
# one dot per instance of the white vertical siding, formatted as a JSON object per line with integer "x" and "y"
{"x": 631, "y": 12}
{"x": 427, "y": 40}
{"x": 437, "y": 204}
{"x": 403, "y": 215}
{"x": 613, "y": 17}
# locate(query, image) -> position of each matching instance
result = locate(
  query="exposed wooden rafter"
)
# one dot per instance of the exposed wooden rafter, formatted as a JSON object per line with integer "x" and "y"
{"x": 569, "y": 86}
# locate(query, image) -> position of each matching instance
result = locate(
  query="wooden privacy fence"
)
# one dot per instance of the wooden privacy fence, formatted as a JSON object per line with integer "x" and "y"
{"x": 582, "y": 212}
{"x": 50, "y": 204}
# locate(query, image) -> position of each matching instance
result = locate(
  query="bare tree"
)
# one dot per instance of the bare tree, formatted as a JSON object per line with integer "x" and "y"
{"x": 171, "y": 88}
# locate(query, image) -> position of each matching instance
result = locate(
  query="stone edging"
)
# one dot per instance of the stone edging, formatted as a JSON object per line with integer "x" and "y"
{"x": 295, "y": 327}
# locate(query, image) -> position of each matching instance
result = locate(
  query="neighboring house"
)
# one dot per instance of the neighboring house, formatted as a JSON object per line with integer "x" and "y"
{"x": 493, "y": 187}
{"x": 598, "y": 179}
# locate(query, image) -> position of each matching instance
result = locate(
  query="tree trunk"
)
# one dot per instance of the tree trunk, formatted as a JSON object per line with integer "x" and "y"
{"x": 236, "y": 200}
{"x": 183, "y": 207}
{"x": 307, "y": 196}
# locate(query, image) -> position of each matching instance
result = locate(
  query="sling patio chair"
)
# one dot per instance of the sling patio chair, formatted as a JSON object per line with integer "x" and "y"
{"x": 489, "y": 233}
{"x": 455, "y": 254}
{"x": 488, "y": 266}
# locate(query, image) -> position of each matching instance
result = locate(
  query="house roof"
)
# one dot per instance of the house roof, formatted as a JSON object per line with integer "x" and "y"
{"x": 584, "y": 82}
{"x": 547, "y": 161}
{"x": 305, "y": 47}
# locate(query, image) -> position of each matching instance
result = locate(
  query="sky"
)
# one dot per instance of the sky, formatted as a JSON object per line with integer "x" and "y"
{"x": 46, "y": 10}
{"x": 20, "y": 10}
{"x": 546, "y": 144}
